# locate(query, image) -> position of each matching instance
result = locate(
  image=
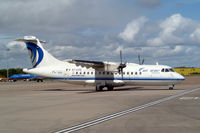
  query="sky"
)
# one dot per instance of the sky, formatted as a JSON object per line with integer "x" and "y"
{"x": 167, "y": 32}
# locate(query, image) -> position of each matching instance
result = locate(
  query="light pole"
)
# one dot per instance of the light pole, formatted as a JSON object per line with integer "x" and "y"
{"x": 7, "y": 62}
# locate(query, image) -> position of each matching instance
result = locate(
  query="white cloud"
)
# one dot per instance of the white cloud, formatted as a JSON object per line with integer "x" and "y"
{"x": 172, "y": 31}
{"x": 155, "y": 42}
{"x": 168, "y": 40}
{"x": 90, "y": 29}
{"x": 132, "y": 29}
{"x": 16, "y": 47}
{"x": 195, "y": 36}
{"x": 167, "y": 51}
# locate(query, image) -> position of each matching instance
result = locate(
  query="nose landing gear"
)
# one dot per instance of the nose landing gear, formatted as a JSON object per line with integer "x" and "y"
{"x": 171, "y": 87}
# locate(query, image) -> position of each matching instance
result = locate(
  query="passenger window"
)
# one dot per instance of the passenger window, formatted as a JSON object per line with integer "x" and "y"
{"x": 107, "y": 73}
{"x": 123, "y": 72}
{"x": 88, "y": 73}
{"x": 91, "y": 73}
{"x": 127, "y": 73}
{"x": 80, "y": 72}
{"x": 163, "y": 70}
{"x": 140, "y": 73}
{"x": 131, "y": 73}
{"x": 103, "y": 72}
{"x": 83, "y": 72}
{"x": 99, "y": 72}
{"x": 135, "y": 73}
{"x": 76, "y": 72}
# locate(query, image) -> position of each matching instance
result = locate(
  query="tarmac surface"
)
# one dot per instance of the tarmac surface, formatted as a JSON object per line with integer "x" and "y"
{"x": 31, "y": 107}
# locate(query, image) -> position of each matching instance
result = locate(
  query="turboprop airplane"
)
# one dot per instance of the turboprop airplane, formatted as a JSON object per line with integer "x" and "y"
{"x": 97, "y": 73}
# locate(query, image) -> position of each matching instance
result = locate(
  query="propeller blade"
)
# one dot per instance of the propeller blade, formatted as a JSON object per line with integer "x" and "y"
{"x": 142, "y": 61}
{"x": 122, "y": 73}
{"x": 122, "y": 65}
{"x": 121, "y": 56}
{"x": 139, "y": 59}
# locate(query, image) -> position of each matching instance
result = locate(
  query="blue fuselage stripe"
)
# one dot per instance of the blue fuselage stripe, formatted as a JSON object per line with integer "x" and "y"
{"x": 104, "y": 78}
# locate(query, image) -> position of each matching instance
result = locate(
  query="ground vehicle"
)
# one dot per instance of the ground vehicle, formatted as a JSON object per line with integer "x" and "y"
{"x": 2, "y": 79}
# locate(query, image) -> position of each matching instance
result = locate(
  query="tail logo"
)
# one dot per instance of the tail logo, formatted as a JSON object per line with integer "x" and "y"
{"x": 35, "y": 53}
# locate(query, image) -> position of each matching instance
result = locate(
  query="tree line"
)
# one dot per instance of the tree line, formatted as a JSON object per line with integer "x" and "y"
{"x": 11, "y": 71}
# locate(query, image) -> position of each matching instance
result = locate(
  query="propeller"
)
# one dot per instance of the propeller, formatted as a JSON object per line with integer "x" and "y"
{"x": 139, "y": 59}
{"x": 142, "y": 61}
{"x": 122, "y": 65}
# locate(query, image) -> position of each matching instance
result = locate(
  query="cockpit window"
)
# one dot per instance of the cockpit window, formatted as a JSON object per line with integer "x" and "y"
{"x": 167, "y": 70}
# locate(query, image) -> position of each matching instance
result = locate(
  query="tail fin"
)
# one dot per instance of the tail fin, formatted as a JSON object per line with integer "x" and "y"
{"x": 39, "y": 56}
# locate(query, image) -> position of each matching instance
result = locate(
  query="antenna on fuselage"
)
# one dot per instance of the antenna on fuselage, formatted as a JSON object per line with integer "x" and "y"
{"x": 157, "y": 63}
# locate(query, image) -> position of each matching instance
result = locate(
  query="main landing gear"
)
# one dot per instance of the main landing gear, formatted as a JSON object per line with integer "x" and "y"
{"x": 100, "y": 88}
{"x": 110, "y": 88}
{"x": 171, "y": 87}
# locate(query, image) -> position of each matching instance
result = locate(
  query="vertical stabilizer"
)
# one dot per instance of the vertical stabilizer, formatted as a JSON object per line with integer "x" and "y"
{"x": 39, "y": 56}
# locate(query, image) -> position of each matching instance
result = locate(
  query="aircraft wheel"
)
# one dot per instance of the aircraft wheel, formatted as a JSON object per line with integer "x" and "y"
{"x": 171, "y": 87}
{"x": 99, "y": 88}
{"x": 110, "y": 88}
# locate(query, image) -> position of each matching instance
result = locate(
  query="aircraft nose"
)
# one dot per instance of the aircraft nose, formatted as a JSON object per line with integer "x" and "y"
{"x": 181, "y": 77}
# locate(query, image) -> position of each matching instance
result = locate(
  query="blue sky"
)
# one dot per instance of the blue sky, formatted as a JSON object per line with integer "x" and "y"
{"x": 187, "y": 8}
{"x": 158, "y": 30}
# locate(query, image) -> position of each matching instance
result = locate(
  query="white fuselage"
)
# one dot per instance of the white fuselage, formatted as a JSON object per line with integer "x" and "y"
{"x": 133, "y": 74}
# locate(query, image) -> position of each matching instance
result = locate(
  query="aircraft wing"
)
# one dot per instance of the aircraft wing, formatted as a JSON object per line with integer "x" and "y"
{"x": 98, "y": 65}
{"x": 85, "y": 63}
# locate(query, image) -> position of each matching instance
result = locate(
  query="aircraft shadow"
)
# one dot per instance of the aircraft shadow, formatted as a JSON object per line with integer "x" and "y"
{"x": 116, "y": 89}
{"x": 88, "y": 90}
{"x": 155, "y": 89}
{"x": 130, "y": 89}
{"x": 61, "y": 89}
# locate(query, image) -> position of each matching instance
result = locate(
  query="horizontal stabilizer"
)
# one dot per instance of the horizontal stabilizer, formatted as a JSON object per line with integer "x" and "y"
{"x": 32, "y": 39}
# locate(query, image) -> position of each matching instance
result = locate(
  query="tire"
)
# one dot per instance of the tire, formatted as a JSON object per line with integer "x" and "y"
{"x": 110, "y": 88}
{"x": 99, "y": 88}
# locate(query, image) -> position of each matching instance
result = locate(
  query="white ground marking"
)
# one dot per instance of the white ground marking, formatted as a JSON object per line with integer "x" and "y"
{"x": 115, "y": 115}
{"x": 189, "y": 98}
